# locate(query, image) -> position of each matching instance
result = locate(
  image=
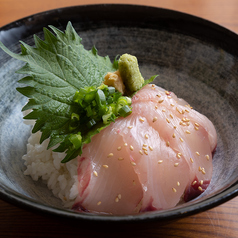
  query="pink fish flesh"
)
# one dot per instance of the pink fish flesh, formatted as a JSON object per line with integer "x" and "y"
{"x": 151, "y": 160}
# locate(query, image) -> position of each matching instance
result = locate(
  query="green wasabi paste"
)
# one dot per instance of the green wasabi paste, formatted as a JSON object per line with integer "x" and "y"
{"x": 130, "y": 73}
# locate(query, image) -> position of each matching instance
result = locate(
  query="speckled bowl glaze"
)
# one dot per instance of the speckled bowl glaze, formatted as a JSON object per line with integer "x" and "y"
{"x": 196, "y": 59}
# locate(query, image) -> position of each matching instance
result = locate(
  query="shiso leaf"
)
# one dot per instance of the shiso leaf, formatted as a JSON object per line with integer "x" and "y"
{"x": 150, "y": 80}
{"x": 58, "y": 68}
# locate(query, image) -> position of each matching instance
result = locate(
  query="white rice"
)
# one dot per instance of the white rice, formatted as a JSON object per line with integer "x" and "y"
{"x": 46, "y": 165}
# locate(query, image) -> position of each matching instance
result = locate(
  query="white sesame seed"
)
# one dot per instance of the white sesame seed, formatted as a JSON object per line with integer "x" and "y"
{"x": 174, "y": 190}
{"x": 99, "y": 203}
{"x": 179, "y": 155}
{"x": 151, "y": 148}
{"x": 146, "y": 152}
{"x": 176, "y": 164}
{"x": 119, "y": 148}
{"x": 160, "y": 161}
{"x": 160, "y": 101}
{"x": 119, "y": 196}
{"x": 154, "y": 119}
{"x": 95, "y": 173}
{"x": 178, "y": 110}
{"x": 125, "y": 144}
{"x": 182, "y": 123}
{"x": 167, "y": 119}
{"x": 146, "y": 136}
{"x": 169, "y": 97}
{"x": 144, "y": 145}
{"x": 171, "y": 116}
{"x": 116, "y": 199}
{"x": 200, "y": 188}
{"x": 133, "y": 163}
{"x": 167, "y": 143}
{"x": 194, "y": 182}
{"x": 185, "y": 119}
{"x": 130, "y": 127}
{"x": 141, "y": 152}
{"x": 191, "y": 160}
{"x": 207, "y": 157}
{"x": 120, "y": 158}
{"x": 110, "y": 155}
{"x": 181, "y": 139}
{"x": 105, "y": 166}
{"x": 163, "y": 110}
{"x": 131, "y": 148}
{"x": 188, "y": 106}
{"x": 201, "y": 182}
{"x": 156, "y": 107}
{"x": 197, "y": 153}
{"x": 172, "y": 105}
{"x": 188, "y": 132}
{"x": 196, "y": 124}
{"x": 174, "y": 135}
{"x": 141, "y": 119}
{"x": 167, "y": 92}
{"x": 196, "y": 128}
{"x": 178, "y": 183}
{"x": 158, "y": 95}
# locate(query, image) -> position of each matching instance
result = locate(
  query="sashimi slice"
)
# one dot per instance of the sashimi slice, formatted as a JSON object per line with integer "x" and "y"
{"x": 149, "y": 160}
{"x": 107, "y": 181}
{"x": 156, "y": 164}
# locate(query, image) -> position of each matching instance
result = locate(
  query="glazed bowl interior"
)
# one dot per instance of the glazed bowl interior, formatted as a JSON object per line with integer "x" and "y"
{"x": 196, "y": 59}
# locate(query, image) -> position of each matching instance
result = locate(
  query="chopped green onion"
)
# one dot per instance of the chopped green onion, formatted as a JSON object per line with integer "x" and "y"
{"x": 74, "y": 117}
{"x": 111, "y": 90}
{"x": 89, "y": 111}
{"x": 125, "y": 111}
{"x": 89, "y": 97}
{"x": 100, "y": 97}
{"x": 76, "y": 140}
{"x": 94, "y": 106}
{"x": 91, "y": 123}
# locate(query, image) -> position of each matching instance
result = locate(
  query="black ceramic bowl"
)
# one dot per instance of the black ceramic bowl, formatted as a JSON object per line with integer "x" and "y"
{"x": 196, "y": 59}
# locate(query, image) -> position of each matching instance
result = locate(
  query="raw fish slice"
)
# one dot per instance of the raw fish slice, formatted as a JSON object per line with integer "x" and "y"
{"x": 187, "y": 143}
{"x": 155, "y": 163}
{"x": 190, "y": 134}
{"x": 107, "y": 180}
{"x": 172, "y": 104}
{"x": 183, "y": 123}
{"x": 161, "y": 152}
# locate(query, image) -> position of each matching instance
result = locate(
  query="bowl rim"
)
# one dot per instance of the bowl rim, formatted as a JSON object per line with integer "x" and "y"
{"x": 170, "y": 214}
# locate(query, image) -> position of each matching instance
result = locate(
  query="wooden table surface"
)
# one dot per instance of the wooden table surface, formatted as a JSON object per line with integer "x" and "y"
{"x": 221, "y": 221}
